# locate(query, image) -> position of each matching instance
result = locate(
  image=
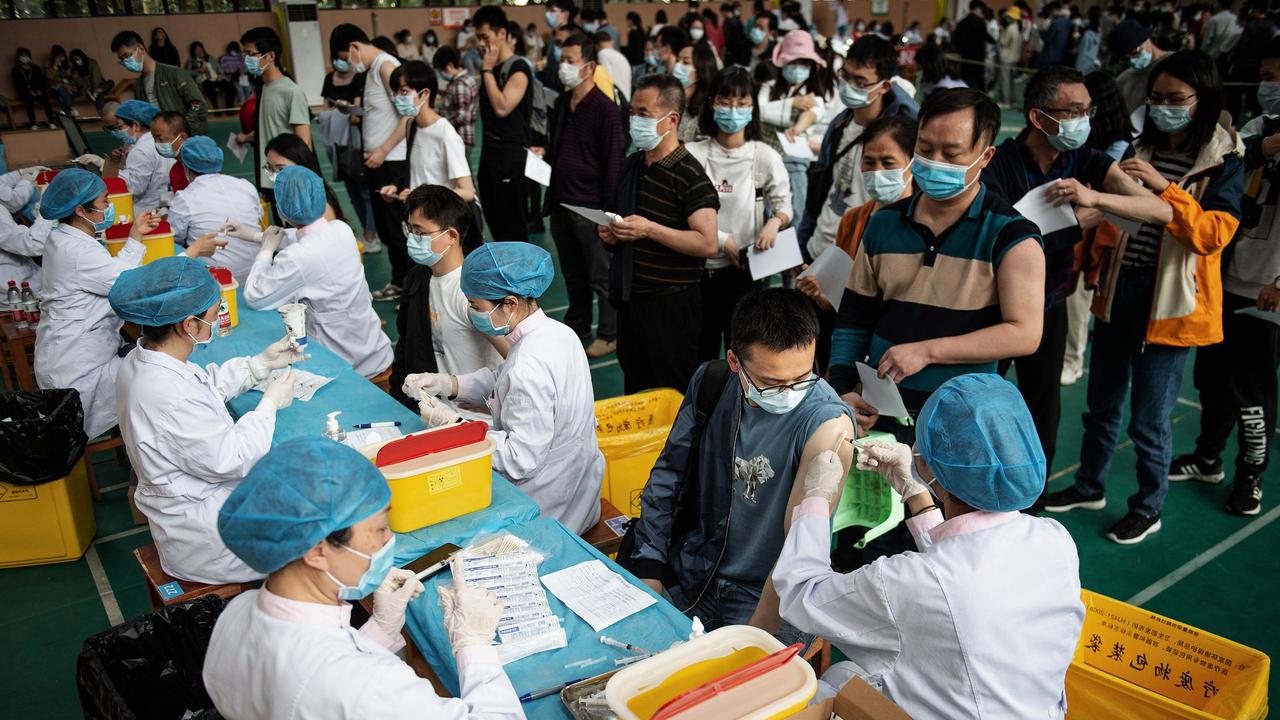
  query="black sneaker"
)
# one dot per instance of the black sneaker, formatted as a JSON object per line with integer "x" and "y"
{"x": 1071, "y": 499}
{"x": 1246, "y": 495}
{"x": 1193, "y": 467}
{"x": 1133, "y": 528}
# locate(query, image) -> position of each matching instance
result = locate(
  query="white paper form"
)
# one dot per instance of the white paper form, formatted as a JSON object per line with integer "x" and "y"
{"x": 1129, "y": 227}
{"x": 236, "y": 148}
{"x": 537, "y": 169}
{"x": 881, "y": 393}
{"x": 597, "y": 594}
{"x": 1271, "y": 317}
{"x": 599, "y": 217}
{"x": 368, "y": 436}
{"x": 1037, "y": 208}
{"x": 784, "y": 255}
{"x": 798, "y": 148}
{"x": 831, "y": 269}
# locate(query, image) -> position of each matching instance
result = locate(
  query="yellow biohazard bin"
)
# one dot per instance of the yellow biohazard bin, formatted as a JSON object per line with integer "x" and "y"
{"x": 158, "y": 242}
{"x": 118, "y": 194}
{"x": 1134, "y": 664}
{"x": 632, "y": 431}
{"x": 437, "y": 487}
{"x": 47, "y": 523}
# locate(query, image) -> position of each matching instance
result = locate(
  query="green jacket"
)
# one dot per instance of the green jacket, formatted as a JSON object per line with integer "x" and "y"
{"x": 176, "y": 90}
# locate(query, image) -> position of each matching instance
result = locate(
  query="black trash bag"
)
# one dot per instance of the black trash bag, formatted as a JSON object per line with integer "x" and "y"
{"x": 41, "y": 435}
{"x": 150, "y": 667}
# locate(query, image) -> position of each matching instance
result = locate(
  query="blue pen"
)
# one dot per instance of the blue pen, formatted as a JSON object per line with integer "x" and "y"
{"x": 367, "y": 426}
{"x": 536, "y": 694}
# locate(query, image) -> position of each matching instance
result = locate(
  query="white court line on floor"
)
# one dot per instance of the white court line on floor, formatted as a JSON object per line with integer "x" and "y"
{"x": 1204, "y": 558}
{"x": 105, "y": 593}
{"x": 606, "y": 363}
{"x": 1189, "y": 403}
{"x": 121, "y": 534}
{"x": 556, "y": 309}
{"x": 117, "y": 486}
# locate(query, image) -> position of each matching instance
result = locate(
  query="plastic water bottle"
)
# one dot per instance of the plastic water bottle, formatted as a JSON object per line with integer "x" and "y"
{"x": 14, "y": 300}
{"x": 30, "y": 306}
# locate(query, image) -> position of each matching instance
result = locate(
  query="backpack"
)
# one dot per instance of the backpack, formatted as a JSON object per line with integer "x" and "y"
{"x": 822, "y": 175}
{"x": 542, "y": 98}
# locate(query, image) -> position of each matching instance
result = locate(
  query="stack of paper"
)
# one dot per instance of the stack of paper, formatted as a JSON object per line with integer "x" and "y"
{"x": 597, "y": 594}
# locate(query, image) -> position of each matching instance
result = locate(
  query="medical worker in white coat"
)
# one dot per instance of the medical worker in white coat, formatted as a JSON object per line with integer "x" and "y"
{"x": 210, "y": 201}
{"x": 142, "y": 169}
{"x": 22, "y": 232}
{"x": 983, "y": 621}
{"x": 187, "y": 450}
{"x": 540, "y": 398}
{"x": 320, "y": 269}
{"x": 312, "y": 515}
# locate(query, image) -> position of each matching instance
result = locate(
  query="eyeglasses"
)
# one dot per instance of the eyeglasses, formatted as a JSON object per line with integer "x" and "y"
{"x": 846, "y": 77}
{"x": 772, "y": 390}
{"x": 1072, "y": 113}
{"x": 1156, "y": 99}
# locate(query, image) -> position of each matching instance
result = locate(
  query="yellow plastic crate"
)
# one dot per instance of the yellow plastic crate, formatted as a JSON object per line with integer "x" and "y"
{"x": 631, "y": 431}
{"x": 437, "y": 487}
{"x": 47, "y": 523}
{"x": 1134, "y": 664}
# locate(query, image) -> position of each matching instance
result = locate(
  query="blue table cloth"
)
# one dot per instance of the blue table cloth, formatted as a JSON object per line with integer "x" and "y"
{"x": 654, "y": 628}
{"x": 509, "y": 506}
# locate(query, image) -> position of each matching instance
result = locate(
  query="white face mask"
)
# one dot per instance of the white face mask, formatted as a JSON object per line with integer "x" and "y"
{"x": 570, "y": 75}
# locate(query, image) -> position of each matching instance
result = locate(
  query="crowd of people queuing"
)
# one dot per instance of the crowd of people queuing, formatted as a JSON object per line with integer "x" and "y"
{"x": 704, "y": 139}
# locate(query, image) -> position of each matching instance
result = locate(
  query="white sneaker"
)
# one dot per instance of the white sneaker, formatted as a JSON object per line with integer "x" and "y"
{"x": 52, "y": 126}
{"x": 35, "y": 127}
{"x": 1071, "y": 375}
{"x": 372, "y": 246}
{"x": 76, "y": 114}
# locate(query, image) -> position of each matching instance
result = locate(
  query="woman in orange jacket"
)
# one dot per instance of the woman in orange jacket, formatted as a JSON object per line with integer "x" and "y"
{"x": 1159, "y": 289}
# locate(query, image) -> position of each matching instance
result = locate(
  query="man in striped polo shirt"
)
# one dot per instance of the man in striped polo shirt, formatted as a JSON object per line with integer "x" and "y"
{"x": 661, "y": 243}
{"x": 947, "y": 282}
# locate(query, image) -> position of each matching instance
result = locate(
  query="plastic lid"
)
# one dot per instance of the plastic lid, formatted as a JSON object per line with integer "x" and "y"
{"x": 116, "y": 186}
{"x": 119, "y": 231}
{"x": 221, "y": 274}
{"x": 161, "y": 229}
{"x": 46, "y": 176}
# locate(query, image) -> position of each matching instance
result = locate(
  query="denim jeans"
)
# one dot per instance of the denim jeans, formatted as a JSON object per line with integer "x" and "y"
{"x": 1119, "y": 353}
{"x": 729, "y": 602}
{"x": 798, "y": 174}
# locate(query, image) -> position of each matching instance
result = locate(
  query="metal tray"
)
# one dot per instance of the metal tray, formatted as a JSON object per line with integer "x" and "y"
{"x": 569, "y": 696}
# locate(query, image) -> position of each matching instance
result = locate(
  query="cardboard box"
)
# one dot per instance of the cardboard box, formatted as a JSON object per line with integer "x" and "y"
{"x": 857, "y": 700}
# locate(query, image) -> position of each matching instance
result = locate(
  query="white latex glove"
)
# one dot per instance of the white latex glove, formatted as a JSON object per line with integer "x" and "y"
{"x": 29, "y": 173}
{"x": 893, "y": 461}
{"x": 271, "y": 239}
{"x": 470, "y": 615}
{"x": 91, "y": 159}
{"x": 281, "y": 353}
{"x": 392, "y": 597}
{"x": 435, "y": 412}
{"x": 824, "y": 476}
{"x": 280, "y": 390}
{"x": 420, "y": 385}
{"x": 242, "y": 231}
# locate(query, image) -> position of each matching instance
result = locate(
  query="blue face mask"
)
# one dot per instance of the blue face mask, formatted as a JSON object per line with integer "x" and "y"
{"x": 795, "y": 73}
{"x": 484, "y": 323}
{"x": 379, "y": 565}
{"x": 206, "y": 341}
{"x": 591, "y": 27}
{"x": 555, "y": 52}
{"x": 941, "y": 180}
{"x": 1169, "y": 118}
{"x": 731, "y": 119}
{"x": 779, "y": 404}
{"x": 165, "y": 150}
{"x": 108, "y": 218}
{"x": 1141, "y": 61}
{"x": 253, "y": 65}
{"x": 552, "y": 19}
{"x": 1072, "y": 134}
{"x": 644, "y": 132}
{"x": 683, "y": 73}
{"x": 854, "y": 97}
{"x": 340, "y": 65}
{"x": 756, "y": 36}
{"x": 132, "y": 64}
{"x": 420, "y": 249}
{"x": 1269, "y": 97}
{"x": 651, "y": 59}
{"x": 121, "y": 135}
{"x": 406, "y": 105}
{"x": 885, "y": 186}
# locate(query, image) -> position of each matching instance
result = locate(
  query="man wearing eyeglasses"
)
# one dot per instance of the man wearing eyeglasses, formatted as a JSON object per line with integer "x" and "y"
{"x": 1051, "y": 153}
{"x": 712, "y": 524}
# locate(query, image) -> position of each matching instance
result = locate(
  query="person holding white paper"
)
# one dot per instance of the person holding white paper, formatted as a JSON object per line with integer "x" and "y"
{"x": 793, "y": 102}
{"x": 755, "y": 198}
{"x": 1049, "y": 163}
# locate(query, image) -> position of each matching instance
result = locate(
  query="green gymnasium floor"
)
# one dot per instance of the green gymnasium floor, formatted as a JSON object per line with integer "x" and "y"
{"x": 1205, "y": 568}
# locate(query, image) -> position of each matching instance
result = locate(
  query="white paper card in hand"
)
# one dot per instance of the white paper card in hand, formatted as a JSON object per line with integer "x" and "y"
{"x": 597, "y": 594}
{"x": 537, "y": 169}
{"x": 236, "y": 148}
{"x": 1036, "y": 207}
{"x": 784, "y": 255}
{"x": 305, "y": 384}
{"x": 881, "y": 393}
{"x": 831, "y": 270}
{"x": 1271, "y": 317}
{"x": 798, "y": 148}
{"x": 1129, "y": 227}
{"x": 599, "y": 217}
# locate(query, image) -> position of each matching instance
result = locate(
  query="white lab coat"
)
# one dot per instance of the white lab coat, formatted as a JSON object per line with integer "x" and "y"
{"x": 20, "y": 245}
{"x": 312, "y": 665}
{"x": 322, "y": 270}
{"x": 79, "y": 334}
{"x": 981, "y": 623}
{"x": 544, "y": 421}
{"x": 189, "y": 455}
{"x": 146, "y": 174}
{"x": 206, "y": 205}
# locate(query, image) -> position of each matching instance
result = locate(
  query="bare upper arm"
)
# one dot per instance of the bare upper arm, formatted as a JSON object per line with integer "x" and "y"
{"x": 1020, "y": 283}
{"x": 824, "y": 438}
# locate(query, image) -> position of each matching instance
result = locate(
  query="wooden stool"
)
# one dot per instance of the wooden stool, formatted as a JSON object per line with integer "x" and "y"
{"x": 383, "y": 380}
{"x": 166, "y": 590}
{"x": 114, "y": 441}
{"x": 606, "y": 535}
{"x": 819, "y": 655}
{"x": 19, "y": 354}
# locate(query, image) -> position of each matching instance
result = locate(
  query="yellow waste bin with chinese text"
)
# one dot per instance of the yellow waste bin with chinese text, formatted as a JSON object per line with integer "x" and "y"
{"x": 632, "y": 431}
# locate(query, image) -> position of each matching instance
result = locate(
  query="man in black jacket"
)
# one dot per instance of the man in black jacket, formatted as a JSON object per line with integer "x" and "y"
{"x": 970, "y": 40}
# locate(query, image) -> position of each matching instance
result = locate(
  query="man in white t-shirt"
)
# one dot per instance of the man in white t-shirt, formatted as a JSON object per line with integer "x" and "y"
{"x": 437, "y": 155}
{"x": 434, "y": 322}
{"x": 385, "y": 151}
{"x": 615, "y": 62}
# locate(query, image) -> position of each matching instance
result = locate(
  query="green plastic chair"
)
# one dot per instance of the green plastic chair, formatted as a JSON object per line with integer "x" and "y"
{"x": 868, "y": 501}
